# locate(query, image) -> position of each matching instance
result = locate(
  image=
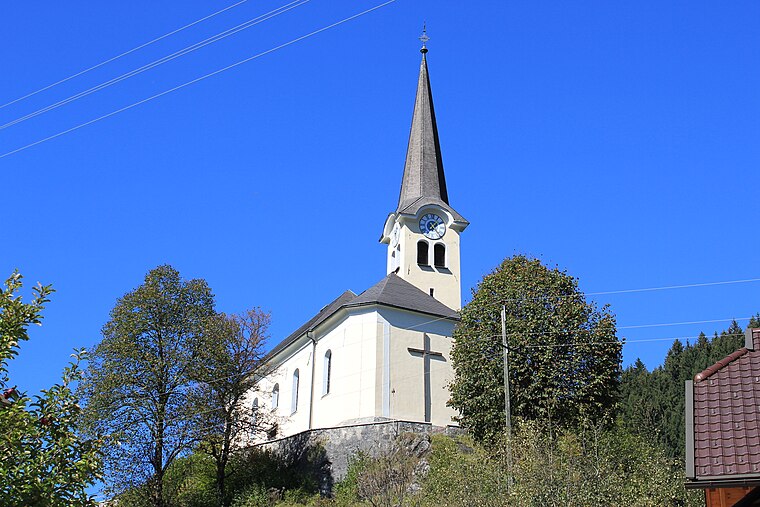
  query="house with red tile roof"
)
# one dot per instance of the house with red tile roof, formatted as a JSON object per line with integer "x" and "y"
{"x": 723, "y": 428}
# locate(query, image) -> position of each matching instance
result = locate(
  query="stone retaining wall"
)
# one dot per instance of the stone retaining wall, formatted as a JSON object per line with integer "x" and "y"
{"x": 326, "y": 452}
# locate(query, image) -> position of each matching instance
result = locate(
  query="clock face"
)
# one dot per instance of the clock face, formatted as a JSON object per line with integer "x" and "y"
{"x": 395, "y": 235}
{"x": 432, "y": 226}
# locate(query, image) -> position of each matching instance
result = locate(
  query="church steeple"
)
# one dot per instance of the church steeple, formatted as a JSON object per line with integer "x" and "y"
{"x": 423, "y": 170}
{"x": 423, "y": 233}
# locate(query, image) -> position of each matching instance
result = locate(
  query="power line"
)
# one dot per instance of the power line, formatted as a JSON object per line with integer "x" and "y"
{"x": 637, "y": 326}
{"x": 121, "y": 55}
{"x": 206, "y": 76}
{"x": 624, "y": 291}
{"x": 682, "y": 323}
{"x": 669, "y": 287}
{"x": 186, "y": 50}
{"x": 630, "y": 291}
{"x": 623, "y": 342}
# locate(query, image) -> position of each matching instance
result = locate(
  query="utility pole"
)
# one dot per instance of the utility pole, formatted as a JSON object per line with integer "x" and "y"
{"x": 507, "y": 409}
{"x": 505, "y": 346}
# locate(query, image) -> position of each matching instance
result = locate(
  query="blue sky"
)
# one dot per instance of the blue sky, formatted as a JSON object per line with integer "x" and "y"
{"x": 618, "y": 141}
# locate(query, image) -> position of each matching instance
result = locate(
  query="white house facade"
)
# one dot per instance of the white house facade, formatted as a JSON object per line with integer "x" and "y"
{"x": 384, "y": 353}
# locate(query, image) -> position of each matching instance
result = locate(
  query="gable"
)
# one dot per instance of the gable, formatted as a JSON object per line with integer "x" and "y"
{"x": 724, "y": 417}
{"x": 391, "y": 291}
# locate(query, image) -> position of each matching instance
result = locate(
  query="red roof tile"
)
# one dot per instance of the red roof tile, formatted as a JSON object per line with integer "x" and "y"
{"x": 726, "y": 415}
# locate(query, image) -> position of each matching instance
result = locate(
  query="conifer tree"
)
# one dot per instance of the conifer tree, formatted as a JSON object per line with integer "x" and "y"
{"x": 652, "y": 404}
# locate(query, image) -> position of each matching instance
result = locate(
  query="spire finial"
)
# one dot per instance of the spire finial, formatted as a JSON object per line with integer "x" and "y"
{"x": 424, "y": 38}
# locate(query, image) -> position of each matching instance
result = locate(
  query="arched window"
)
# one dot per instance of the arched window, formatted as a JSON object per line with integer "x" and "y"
{"x": 439, "y": 255}
{"x": 294, "y": 394}
{"x": 422, "y": 253}
{"x": 255, "y": 412}
{"x": 275, "y": 396}
{"x": 326, "y": 373}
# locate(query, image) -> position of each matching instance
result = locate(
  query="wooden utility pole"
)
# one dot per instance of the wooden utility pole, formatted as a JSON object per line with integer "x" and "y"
{"x": 507, "y": 410}
{"x": 505, "y": 346}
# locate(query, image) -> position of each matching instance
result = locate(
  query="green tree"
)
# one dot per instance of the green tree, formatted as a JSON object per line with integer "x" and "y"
{"x": 138, "y": 384}
{"x": 564, "y": 356}
{"x": 45, "y": 461}
{"x": 652, "y": 403}
{"x": 643, "y": 401}
{"x": 231, "y": 362}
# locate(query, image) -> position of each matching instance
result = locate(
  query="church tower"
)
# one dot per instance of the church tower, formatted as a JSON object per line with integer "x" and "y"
{"x": 423, "y": 233}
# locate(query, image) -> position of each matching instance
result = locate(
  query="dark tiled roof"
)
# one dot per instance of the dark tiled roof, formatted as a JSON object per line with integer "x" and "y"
{"x": 424, "y": 180}
{"x": 391, "y": 291}
{"x": 396, "y": 292}
{"x": 726, "y": 415}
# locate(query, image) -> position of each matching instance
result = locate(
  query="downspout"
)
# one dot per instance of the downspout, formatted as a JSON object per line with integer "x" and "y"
{"x": 310, "y": 336}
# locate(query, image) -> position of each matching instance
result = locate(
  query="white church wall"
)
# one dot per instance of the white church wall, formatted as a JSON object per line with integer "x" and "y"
{"x": 407, "y": 396}
{"x": 292, "y": 421}
{"x": 352, "y": 344}
{"x": 351, "y": 340}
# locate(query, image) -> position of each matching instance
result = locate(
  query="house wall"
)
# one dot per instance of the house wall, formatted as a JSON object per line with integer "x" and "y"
{"x": 724, "y": 497}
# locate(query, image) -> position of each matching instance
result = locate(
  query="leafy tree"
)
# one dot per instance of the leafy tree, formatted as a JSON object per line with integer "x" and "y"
{"x": 45, "y": 461}
{"x": 564, "y": 357}
{"x": 138, "y": 383}
{"x": 231, "y": 362}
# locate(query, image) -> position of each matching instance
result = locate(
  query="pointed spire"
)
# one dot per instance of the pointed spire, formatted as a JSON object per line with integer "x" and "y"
{"x": 423, "y": 171}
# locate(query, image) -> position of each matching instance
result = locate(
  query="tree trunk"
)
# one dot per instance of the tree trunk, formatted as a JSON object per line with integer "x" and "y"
{"x": 157, "y": 489}
{"x": 221, "y": 463}
{"x": 221, "y": 488}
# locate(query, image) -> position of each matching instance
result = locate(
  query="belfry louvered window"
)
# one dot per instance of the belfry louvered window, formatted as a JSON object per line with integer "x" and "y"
{"x": 439, "y": 255}
{"x": 422, "y": 253}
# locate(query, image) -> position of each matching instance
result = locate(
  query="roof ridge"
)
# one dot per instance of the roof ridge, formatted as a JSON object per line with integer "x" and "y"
{"x": 714, "y": 368}
{"x": 347, "y": 291}
{"x": 379, "y": 286}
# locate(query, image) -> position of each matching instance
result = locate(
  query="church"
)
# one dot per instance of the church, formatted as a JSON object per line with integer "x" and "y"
{"x": 384, "y": 354}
